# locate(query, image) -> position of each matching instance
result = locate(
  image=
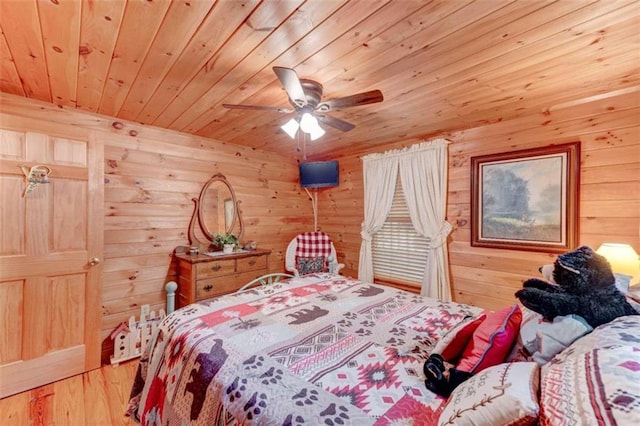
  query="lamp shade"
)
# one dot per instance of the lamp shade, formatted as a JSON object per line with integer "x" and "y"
{"x": 308, "y": 122}
{"x": 622, "y": 258}
{"x": 316, "y": 132}
{"x": 290, "y": 127}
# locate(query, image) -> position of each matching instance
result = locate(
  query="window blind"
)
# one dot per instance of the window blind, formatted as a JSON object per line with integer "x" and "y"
{"x": 399, "y": 252}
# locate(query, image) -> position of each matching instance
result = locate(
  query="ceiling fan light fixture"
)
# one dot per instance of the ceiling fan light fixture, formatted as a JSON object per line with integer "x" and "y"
{"x": 305, "y": 96}
{"x": 290, "y": 128}
{"x": 316, "y": 133}
{"x": 308, "y": 123}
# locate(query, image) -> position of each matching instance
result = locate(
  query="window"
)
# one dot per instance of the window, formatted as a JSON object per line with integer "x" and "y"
{"x": 399, "y": 252}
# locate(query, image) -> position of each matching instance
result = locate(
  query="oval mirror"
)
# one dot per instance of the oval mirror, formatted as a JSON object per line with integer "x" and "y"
{"x": 216, "y": 210}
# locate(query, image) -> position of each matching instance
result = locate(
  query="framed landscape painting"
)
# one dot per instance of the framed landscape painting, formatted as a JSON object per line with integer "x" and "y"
{"x": 526, "y": 200}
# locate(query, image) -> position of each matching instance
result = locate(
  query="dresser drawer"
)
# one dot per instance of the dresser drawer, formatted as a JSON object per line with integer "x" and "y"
{"x": 215, "y": 268}
{"x": 246, "y": 277}
{"x": 252, "y": 263}
{"x": 216, "y": 286}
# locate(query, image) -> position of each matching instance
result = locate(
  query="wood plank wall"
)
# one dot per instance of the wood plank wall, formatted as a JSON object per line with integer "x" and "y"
{"x": 148, "y": 192}
{"x": 609, "y": 131}
{"x": 151, "y": 174}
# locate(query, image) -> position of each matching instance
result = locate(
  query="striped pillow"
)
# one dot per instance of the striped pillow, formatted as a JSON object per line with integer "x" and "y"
{"x": 596, "y": 380}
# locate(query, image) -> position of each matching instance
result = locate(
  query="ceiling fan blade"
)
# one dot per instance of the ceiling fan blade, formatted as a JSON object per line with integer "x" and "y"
{"x": 363, "y": 98}
{"x": 258, "y": 107}
{"x": 291, "y": 83}
{"x": 335, "y": 122}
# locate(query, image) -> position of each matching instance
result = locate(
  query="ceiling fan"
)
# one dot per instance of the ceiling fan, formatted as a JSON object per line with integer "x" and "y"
{"x": 305, "y": 96}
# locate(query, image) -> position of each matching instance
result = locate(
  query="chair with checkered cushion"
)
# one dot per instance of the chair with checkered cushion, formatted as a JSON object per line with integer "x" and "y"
{"x": 309, "y": 253}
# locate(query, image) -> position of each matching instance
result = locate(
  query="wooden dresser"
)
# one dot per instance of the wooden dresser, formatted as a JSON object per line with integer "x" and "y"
{"x": 202, "y": 277}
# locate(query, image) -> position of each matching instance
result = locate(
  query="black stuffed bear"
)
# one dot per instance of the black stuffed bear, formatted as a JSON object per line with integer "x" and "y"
{"x": 585, "y": 287}
{"x": 441, "y": 377}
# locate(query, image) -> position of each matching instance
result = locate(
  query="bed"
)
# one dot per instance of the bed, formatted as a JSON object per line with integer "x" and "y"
{"x": 320, "y": 349}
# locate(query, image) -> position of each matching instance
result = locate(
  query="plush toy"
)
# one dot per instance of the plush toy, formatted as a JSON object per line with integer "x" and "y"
{"x": 583, "y": 284}
{"x": 442, "y": 377}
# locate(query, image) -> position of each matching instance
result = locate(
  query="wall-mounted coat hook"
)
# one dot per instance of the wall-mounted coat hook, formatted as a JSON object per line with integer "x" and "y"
{"x": 35, "y": 175}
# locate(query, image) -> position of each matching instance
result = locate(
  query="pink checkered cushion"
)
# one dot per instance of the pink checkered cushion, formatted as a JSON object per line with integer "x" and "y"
{"x": 313, "y": 244}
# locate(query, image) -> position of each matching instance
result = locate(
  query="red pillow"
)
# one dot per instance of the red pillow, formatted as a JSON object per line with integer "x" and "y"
{"x": 492, "y": 340}
{"x": 453, "y": 343}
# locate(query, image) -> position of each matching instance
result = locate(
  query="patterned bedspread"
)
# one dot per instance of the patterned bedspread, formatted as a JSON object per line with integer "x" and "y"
{"x": 316, "y": 350}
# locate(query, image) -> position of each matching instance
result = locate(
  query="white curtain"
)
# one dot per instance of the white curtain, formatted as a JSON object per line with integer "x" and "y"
{"x": 380, "y": 173}
{"x": 423, "y": 176}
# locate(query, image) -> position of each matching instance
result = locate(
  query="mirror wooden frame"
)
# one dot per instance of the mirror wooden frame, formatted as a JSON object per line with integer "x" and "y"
{"x": 199, "y": 214}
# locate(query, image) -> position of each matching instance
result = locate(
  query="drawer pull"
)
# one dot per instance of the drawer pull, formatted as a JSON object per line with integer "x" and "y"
{"x": 252, "y": 262}
{"x": 216, "y": 267}
{"x": 207, "y": 287}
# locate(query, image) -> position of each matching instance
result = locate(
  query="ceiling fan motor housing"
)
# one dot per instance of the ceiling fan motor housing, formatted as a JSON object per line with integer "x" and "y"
{"x": 313, "y": 92}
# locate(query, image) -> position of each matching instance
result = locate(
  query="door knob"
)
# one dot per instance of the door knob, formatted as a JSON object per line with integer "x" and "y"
{"x": 94, "y": 261}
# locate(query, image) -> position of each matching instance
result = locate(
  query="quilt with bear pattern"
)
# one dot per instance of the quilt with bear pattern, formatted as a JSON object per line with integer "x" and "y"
{"x": 316, "y": 350}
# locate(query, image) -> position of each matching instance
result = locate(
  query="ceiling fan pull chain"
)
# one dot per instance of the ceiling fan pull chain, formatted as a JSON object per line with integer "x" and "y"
{"x": 304, "y": 146}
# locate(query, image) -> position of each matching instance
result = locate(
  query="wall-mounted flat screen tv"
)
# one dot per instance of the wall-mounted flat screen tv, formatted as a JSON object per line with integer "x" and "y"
{"x": 319, "y": 174}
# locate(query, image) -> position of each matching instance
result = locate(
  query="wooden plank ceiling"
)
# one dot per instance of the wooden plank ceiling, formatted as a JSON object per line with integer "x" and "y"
{"x": 441, "y": 65}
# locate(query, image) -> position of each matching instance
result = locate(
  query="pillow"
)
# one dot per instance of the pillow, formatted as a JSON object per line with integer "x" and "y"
{"x": 453, "y": 343}
{"x": 544, "y": 339}
{"x": 633, "y": 297}
{"x": 492, "y": 340}
{"x": 634, "y": 291}
{"x": 622, "y": 282}
{"x": 600, "y": 386}
{"x": 518, "y": 353}
{"x": 634, "y": 301}
{"x": 505, "y": 394}
{"x": 622, "y": 331}
{"x": 310, "y": 265}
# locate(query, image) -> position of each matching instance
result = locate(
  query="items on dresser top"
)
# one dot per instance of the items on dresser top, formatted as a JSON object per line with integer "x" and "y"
{"x": 221, "y": 253}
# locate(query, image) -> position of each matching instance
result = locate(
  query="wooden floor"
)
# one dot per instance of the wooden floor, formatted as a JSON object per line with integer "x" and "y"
{"x": 98, "y": 397}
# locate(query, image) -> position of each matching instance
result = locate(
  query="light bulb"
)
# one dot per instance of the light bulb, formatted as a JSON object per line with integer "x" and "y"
{"x": 290, "y": 127}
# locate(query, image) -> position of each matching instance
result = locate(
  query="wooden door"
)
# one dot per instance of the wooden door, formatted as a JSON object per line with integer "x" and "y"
{"x": 50, "y": 310}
